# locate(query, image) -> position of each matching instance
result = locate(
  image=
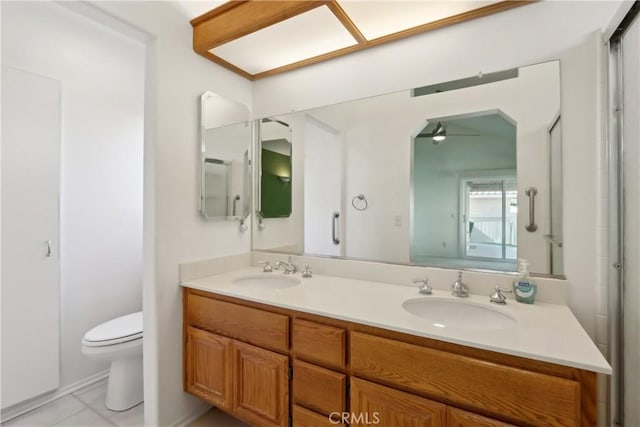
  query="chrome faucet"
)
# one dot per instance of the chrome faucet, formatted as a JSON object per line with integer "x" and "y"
{"x": 498, "y": 297}
{"x": 288, "y": 267}
{"x": 458, "y": 289}
{"x": 424, "y": 287}
{"x": 266, "y": 266}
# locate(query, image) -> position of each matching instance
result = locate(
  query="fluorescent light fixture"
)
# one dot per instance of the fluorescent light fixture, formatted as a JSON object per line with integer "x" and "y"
{"x": 382, "y": 17}
{"x": 298, "y": 38}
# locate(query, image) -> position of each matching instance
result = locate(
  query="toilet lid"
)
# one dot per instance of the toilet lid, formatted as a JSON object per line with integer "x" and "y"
{"x": 125, "y": 328}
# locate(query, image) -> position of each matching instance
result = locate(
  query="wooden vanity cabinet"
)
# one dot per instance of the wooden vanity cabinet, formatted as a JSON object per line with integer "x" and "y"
{"x": 223, "y": 366}
{"x": 276, "y": 367}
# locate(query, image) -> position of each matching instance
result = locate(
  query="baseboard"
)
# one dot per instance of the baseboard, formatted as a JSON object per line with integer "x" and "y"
{"x": 184, "y": 422}
{"x": 31, "y": 404}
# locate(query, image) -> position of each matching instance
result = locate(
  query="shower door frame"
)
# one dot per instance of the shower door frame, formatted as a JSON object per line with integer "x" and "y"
{"x": 616, "y": 223}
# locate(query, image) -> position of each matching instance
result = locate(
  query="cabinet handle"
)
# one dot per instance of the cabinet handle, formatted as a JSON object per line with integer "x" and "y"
{"x": 334, "y": 228}
{"x": 49, "y": 250}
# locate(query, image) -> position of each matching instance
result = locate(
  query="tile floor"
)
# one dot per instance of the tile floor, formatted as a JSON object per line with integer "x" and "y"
{"x": 84, "y": 408}
{"x": 216, "y": 418}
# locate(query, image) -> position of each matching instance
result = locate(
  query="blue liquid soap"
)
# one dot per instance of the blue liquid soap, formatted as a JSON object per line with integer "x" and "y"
{"x": 524, "y": 288}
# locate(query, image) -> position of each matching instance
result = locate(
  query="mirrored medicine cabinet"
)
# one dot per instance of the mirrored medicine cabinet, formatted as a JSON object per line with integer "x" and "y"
{"x": 225, "y": 164}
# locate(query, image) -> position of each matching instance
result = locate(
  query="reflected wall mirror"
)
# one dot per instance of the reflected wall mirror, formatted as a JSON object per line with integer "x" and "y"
{"x": 275, "y": 169}
{"x": 440, "y": 175}
{"x": 225, "y": 165}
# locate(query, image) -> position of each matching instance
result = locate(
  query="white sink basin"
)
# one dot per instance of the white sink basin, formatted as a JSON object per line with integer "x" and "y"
{"x": 448, "y": 313}
{"x": 266, "y": 281}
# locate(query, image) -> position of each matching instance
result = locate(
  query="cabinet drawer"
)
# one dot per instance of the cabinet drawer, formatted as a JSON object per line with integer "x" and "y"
{"x": 319, "y": 389}
{"x": 526, "y": 397}
{"x": 460, "y": 418}
{"x": 373, "y": 404}
{"x": 255, "y": 326}
{"x": 319, "y": 343}
{"x": 305, "y": 418}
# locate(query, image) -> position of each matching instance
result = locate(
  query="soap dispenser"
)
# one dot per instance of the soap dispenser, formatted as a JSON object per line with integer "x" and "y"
{"x": 524, "y": 288}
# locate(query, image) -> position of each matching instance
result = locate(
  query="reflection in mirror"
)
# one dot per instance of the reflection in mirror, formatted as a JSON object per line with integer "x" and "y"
{"x": 275, "y": 169}
{"x": 226, "y": 161}
{"x": 464, "y": 192}
{"x": 442, "y": 171}
{"x": 555, "y": 204}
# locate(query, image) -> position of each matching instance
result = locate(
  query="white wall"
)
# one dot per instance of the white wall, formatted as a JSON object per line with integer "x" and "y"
{"x": 102, "y": 76}
{"x": 174, "y": 230}
{"x": 503, "y": 41}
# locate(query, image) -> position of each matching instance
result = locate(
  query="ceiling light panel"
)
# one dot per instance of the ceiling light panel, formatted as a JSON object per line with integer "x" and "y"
{"x": 379, "y": 18}
{"x": 298, "y": 38}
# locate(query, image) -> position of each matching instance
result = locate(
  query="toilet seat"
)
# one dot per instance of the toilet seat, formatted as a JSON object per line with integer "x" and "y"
{"x": 119, "y": 330}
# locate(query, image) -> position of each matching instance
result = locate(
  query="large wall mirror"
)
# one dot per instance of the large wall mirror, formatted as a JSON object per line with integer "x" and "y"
{"x": 226, "y": 177}
{"x": 463, "y": 174}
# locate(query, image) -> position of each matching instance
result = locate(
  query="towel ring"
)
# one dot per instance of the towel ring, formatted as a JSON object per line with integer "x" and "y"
{"x": 362, "y": 199}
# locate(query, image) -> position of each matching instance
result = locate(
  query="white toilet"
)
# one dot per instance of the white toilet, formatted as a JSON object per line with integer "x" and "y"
{"x": 120, "y": 342}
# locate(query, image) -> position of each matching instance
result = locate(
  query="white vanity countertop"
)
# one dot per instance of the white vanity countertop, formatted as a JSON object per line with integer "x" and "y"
{"x": 546, "y": 332}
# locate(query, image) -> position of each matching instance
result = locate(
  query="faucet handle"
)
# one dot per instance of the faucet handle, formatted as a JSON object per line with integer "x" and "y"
{"x": 459, "y": 289}
{"x": 424, "y": 287}
{"x": 266, "y": 266}
{"x": 307, "y": 271}
{"x": 497, "y": 297}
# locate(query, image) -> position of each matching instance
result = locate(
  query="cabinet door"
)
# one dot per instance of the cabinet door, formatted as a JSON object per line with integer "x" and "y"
{"x": 460, "y": 418}
{"x": 208, "y": 367}
{"x": 261, "y": 386}
{"x": 375, "y": 404}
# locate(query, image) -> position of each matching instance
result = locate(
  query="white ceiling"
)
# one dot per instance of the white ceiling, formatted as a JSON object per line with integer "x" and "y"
{"x": 193, "y": 9}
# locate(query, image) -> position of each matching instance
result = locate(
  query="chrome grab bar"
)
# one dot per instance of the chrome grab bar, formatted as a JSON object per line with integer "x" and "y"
{"x": 235, "y": 203}
{"x": 531, "y": 193}
{"x": 553, "y": 240}
{"x": 334, "y": 228}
